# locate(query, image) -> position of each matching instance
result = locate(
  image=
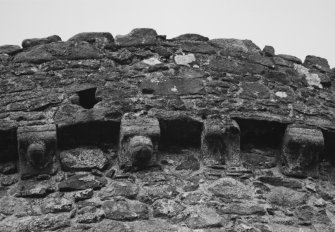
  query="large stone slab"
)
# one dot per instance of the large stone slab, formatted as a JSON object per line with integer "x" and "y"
{"x": 300, "y": 151}
{"x": 37, "y": 146}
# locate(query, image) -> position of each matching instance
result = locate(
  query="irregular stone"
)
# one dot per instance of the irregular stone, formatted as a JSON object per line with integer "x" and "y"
{"x": 235, "y": 46}
{"x": 56, "y": 205}
{"x": 269, "y": 51}
{"x": 185, "y": 59}
{"x": 37, "y": 147}
{"x": 89, "y": 214}
{"x": 8, "y": 180}
{"x": 122, "y": 56}
{"x": 92, "y": 37}
{"x": 138, "y": 142}
{"x": 83, "y": 159}
{"x": 190, "y": 163}
{"x": 153, "y": 193}
{"x": 188, "y": 72}
{"x": 35, "y": 188}
{"x": 28, "y": 43}
{"x": 291, "y": 58}
{"x": 311, "y": 78}
{"x": 36, "y": 55}
{"x": 301, "y": 150}
{"x": 10, "y": 49}
{"x": 229, "y": 189}
{"x": 118, "y": 188}
{"x": 261, "y": 160}
{"x": 82, "y": 182}
{"x": 288, "y": 228}
{"x": 165, "y": 208}
{"x": 310, "y": 61}
{"x": 108, "y": 226}
{"x": 254, "y": 91}
{"x": 49, "y": 222}
{"x": 280, "y": 181}
{"x": 153, "y": 226}
{"x": 243, "y": 209}
{"x": 61, "y": 50}
{"x": 278, "y": 76}
{"x": 8, "y": 168}
{"x": 121, "y": 209}
{"x": 192, "y": 37}
{"x": 83, "y": 195}
{"x": 203, "y": 217}
{"x": 220, "y": 142}
{"x": 137, "y": 37}
{"x": 282, "y": 196}
{"x": 197, "y": 47}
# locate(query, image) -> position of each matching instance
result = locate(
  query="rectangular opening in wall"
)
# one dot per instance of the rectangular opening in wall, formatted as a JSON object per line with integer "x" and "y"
{"x": 329, "y": 152}
{"x": 91, "y": 133}
{"x": 8, "y": 145}
{"x": 183, "y": 132}
{"x": 261, "y": 142}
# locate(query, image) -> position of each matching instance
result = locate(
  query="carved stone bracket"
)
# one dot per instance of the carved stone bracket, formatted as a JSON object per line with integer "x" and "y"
{"x": 220, "y": 142}
{"x": 139, "y": 138}
{"x": 37, "y": 146}
{"x": 300, "y": 151}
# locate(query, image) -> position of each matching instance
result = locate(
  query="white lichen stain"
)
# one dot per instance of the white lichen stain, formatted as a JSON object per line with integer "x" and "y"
{"x": 184, "y": 59}
{"x": 174, "y": 89}
{"x": 281, "y": 94}
{"x": 151, "y": 61}
{"x": 311, "y": 78}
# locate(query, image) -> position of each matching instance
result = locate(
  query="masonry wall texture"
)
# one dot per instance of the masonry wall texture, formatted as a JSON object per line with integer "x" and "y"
{"x": 143, "y": 133}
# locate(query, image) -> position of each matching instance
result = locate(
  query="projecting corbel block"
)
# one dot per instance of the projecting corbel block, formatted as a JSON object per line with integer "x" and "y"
{"x": 139, "y": 138}
{"x": 220, "y": 142}
{"x": 37, "y": 146}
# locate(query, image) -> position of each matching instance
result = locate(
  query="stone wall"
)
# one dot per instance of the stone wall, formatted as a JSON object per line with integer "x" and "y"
{"x": 144, "y": 133}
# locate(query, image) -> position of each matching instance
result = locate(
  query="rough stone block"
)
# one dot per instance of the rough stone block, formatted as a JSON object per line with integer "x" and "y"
{"x": 220, "y": 142}
{"x": 139, "y": 138}
{"x": 300, "y": 151}
{"x": 37, "y": 146}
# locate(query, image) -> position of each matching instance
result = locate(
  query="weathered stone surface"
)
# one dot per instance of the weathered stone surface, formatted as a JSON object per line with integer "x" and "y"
{"x": 137, "y": 37}
{"x": 220, "y": 142}
{"x": 229, "y": 189}
{"x": 165, "y": 208}
{"x": 82, "y": 182}
{"x": 202, "y": 218}
{"x": 300, "y": 151}
{"x": 310, "y": 61}
{"x": 10, "y": 49}
{"x": 286, "y": 197}
{"x": 92, "y": 37}
{"x": 121, "y": 209}
{"x": 173, "y": 86}
{"x": 269, "y": 51}
{"x": 83, "y": 159}
{"x": 235, "y": 46}
{"x": 118, "y": 188}
{"x": 290, "y": 58}
{"x": 33, "y": 188}
{"x": 190, "y": 36}
{"x": 190, "y": 163}
{"x": 56, "y": 204}
{"x": 59, "y": 50}
{"x": 280, "y": 181}
{"x": 27, "y": 43}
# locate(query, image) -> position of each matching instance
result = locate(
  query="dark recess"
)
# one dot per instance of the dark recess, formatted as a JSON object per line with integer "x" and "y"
{"x": 8, "y": 145}
{"x": 87, "y": 98}
{"x": 92, "y": 133}
{"x": 180, "y": 132}
{"x": 261, "y": 134}
{"x": 329, "y": 152}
